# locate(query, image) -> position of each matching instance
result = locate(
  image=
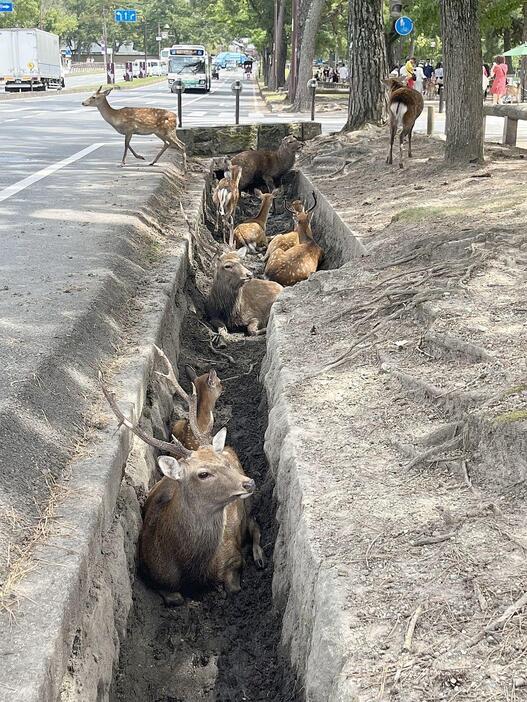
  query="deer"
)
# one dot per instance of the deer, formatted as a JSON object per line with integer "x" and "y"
{"x": 226, "y": 196}
{"x": 208, "y": 390}
{"x": 195, "y": 519}
{"x": 290, "y": 239}
{"x": 406, "y": 105}
{"x": 299, "y": 261}
{"x": 138, "y": 120}
{"x": 268, "y": 165}
{"x": 236, "y": 299}
{"x": 252, "y": 232}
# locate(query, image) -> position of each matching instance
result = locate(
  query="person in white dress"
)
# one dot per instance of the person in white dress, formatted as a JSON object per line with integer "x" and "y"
{"x": 419, "y": 78}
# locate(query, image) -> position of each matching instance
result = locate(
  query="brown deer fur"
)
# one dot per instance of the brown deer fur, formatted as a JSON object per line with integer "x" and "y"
{"x": 252, "y": 232}
{"x": 236, "y": 300}
{"x": 138, "y": 120}
{"x": 406, "y": 105}
{"x": 267, "y": 165}
{"x": 208, "y": 389}
{"x": 290, "y": 266}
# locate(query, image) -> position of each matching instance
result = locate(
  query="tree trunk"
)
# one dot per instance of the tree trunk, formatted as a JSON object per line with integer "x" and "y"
{"x": 524, "y": 59}
{"x": 367, "y": 64}
{"x": 463, "y": 89}
{"x": 282, "y": 59}
{"x": 307, "y": 47}
{"x": 279, "y": 55}
{"x": 506, "y": 46}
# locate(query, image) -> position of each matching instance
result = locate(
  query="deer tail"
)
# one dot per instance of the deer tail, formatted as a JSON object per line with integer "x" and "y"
{"x": 398, "y": 110}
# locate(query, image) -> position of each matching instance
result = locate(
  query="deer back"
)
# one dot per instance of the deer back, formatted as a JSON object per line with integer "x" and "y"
{"x": 255, "y": 299}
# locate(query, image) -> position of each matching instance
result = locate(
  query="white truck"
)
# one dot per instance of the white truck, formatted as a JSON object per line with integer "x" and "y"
{"x": 30, "y": 60}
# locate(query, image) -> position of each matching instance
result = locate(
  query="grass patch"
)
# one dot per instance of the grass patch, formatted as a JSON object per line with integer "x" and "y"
{"x": 122, "y": 84}
{"x": 512, "y": 416}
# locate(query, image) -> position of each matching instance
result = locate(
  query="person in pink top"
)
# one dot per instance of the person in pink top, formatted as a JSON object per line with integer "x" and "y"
{"x": 499, "y": 84}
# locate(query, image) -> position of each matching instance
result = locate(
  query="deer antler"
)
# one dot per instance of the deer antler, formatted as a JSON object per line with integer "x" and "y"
{"x": 175, "y": 449}
{"x": 204, "y": 439}
{"x": 314, "y": 202}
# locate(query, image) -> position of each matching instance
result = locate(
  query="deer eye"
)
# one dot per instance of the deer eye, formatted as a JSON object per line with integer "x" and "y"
{"x": 203, "y": 475}
{"x": 228, "y": 265}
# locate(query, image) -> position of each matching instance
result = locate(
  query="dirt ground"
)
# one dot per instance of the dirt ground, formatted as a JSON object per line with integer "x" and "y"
{"x": 411, "y": 392}
{"x": 215, "y": 648}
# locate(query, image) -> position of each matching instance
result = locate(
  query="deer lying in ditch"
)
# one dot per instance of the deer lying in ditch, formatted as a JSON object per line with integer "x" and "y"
{"x": 208, "y": 389}
{"x": 252, "y": 232}
{"x": 290, "y": 239}
{"x": 299, "y": 261}
{"x": 406, "y": 105}
{"x": 139, "y": 120}
{"x": 237, "y": 300}
{"x": 195, "y": 520}
{"x": 226, "y": 196}
{"x": 267, "y": 165}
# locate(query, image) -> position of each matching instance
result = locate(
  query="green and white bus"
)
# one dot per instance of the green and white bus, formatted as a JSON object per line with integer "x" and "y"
{"x": 191, "y": 64}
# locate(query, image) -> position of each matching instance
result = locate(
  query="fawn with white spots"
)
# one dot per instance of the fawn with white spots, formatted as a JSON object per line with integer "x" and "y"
{"x": 139, "y": 120}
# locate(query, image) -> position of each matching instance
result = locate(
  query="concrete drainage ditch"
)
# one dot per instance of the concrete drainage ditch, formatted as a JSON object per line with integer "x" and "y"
{"x": 100, "y": 634}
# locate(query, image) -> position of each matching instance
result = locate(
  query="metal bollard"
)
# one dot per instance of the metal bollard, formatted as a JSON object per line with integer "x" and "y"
{"x": 441, "y": 99}
{"x": 312, "y": 85}
{"x": 237, "y": 88}
{"x": 179, "y": 88}
{"x": 430, "y": 120}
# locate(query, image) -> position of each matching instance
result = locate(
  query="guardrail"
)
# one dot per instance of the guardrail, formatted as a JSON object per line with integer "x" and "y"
{"x": 512, "y": 114}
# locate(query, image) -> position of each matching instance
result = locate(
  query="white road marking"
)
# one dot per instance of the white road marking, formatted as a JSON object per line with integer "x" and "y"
{"x": 49, "y": 170}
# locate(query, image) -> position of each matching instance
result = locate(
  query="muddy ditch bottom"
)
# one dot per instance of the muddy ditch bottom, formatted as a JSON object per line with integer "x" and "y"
{"x": 225, "y": 649}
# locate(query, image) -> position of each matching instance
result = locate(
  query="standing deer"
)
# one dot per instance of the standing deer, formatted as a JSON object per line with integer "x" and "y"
{"x": 406, "y": 105}
{"x": 237, "y": 300}
{"x": 300, "y": 261}
{"x": 138, "y": 120}
{"x": 226, "y": 196}
{"x": 268, "y": 165}
{"x": 252, "y": 232}
{"x": 195, "y": 521}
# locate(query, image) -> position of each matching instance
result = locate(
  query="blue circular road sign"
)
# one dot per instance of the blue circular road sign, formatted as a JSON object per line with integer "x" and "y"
{"x": 404, "y": 26}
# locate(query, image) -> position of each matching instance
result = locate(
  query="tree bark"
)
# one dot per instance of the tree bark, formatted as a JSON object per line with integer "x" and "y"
{"x": 463, "y": 89}
{"x": 279, "y": 53}
{"x": 307, "y": 46}
{"x": 367, "y": 64}
{"x": 523, "y": 82}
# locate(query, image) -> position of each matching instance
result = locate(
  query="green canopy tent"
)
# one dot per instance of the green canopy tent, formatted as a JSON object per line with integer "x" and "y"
{"x": 520, "y": 50}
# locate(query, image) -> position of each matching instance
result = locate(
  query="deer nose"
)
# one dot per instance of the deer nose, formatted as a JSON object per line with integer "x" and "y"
{"x": 248, "y": 275}
{"x": 249, "y": 485}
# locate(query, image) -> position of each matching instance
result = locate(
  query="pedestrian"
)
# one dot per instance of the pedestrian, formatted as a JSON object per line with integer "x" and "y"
{"x": 485, "y": 80}
{"x": 439, "y": 76}
{"x": 410, "y": 72}
{"x": 419, "y": 78}
{"x": 325, "y": 73}
{"x": 335, "y": 76}
{"x": 499, "y": 84}
{"x": 343, "y": 73}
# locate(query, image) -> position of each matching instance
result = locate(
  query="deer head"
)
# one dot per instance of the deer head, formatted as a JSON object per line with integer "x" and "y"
{"x": 98, "y": 97}
{"x": 291, "y": 143}
{"x": 231, "y": 269}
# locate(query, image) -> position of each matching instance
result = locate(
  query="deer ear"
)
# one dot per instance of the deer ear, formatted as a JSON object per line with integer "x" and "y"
{"x": 258, "y": 193}
{"x": 218, "y": 442}
{"x": 107, "y": 91}
{"x": 276, "y": 191}
{"x": 212, "y": 377}
{"x": 98, "y": 90}
{"x": 170, "y": 467}
{"x": 241, "y": 252}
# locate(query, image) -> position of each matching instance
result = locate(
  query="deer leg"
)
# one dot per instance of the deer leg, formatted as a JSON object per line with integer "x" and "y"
{"x": 254, "y": 533}
{"x": 231, "y": 232}
{"x": 252, "y": 328}
{"x": 142, "y": 158}
{"x": 126, "y": 147}
{"x": 165, "y": 147}
{"x": 393, "y": 129}
{"x": 410, "y": 143}
{"x": 401, "y": 142}
{"x": 172, "y": 599}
